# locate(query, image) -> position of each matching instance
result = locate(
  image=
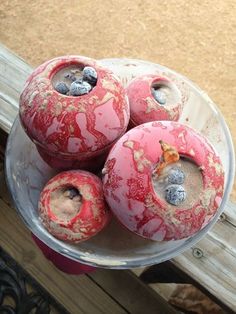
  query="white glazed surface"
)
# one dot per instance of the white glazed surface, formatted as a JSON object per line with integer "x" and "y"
{"x": 115, "y": 247}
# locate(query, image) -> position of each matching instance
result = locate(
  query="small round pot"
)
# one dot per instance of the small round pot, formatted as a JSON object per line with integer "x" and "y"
{"x": 73, "y": 128}
{"x": 80, "y": 211}
{"x": 128, "y": 181}
{"x": 144, "y": 107}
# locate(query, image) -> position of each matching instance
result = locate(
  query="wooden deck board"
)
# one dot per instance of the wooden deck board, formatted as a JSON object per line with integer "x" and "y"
{"x": 215, "y": 269}
{"x": 13, "y": 74}
{"x": 129, "y": 291}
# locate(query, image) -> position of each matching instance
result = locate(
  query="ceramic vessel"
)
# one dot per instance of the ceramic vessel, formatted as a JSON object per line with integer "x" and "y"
{"x": 72, "y": 206}
{"x": 146, "y": 105}
{"x": 73, "y": 131}
{"x": 135, "y": 189}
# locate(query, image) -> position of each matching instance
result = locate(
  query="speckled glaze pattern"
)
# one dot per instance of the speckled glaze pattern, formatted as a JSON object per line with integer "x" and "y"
{"x": 128, "y": 181}
{"x": 144, "y": 107}
{"x": 68, "y": 127}
{"x": 93, "y": 215}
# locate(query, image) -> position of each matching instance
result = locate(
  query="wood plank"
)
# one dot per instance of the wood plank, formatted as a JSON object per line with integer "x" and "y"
{"x": 215, "y": 269}
{"x": 167, "y": 274}
{"x": 211, "y": 262}
{"x": 13, "y": 74}
{"x": 134, "y": 295}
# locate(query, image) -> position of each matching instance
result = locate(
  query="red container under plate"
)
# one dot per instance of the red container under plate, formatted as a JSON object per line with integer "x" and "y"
{"x": 63, "y": 263}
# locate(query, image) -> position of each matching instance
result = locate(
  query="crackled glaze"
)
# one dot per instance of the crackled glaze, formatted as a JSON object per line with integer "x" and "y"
{"x": 115, "y": 246}
{"x": 144, "y": 107}
{"x": 128, "y": 184}
{"x": 73, "y": 128}
{"x": 92, "y": 215}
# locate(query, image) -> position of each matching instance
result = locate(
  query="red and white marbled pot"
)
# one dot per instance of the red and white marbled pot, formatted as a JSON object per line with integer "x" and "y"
{"x": 71, "y": 131}
{"x": 129, "y": 189}
{"x": 145, "y": 108}
{"x": 81, "y": 222}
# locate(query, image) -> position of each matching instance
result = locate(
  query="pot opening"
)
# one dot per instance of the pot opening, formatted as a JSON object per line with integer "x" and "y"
{"x": 74, "y": 80}
{"x": 179, "y": 184}
{"x": 65, "y": 202}
{"x": 165, "y": 92}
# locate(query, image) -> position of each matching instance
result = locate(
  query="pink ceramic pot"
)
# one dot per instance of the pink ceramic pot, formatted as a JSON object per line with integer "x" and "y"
{"x": 72, "y": 206}
{"x": 146, "y": 107}
{"x": 131, "y": 170}
{"x": 73, "y": 131}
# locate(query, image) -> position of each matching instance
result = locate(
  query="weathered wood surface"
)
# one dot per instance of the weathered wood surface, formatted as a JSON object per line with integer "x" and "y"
{"x": 13, "y": 74}
{"x": 129, "y": 291}
{"x": 212, "y": 262}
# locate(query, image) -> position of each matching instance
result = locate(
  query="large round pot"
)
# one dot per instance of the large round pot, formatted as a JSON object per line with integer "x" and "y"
{"x": 72, "y": 131}
{"x": 136, "y": 189}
